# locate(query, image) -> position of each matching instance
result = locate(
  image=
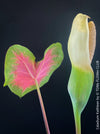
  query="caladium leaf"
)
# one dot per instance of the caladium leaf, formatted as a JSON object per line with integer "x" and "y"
{"x": 22, "y": 71}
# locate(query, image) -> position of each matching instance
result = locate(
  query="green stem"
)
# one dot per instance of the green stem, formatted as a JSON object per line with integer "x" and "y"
{"x": 77, "y": 116}
{"x": 42, "y": 108}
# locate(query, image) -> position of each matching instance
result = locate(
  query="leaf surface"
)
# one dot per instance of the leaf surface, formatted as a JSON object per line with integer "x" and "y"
{"x": 21, "y": 71}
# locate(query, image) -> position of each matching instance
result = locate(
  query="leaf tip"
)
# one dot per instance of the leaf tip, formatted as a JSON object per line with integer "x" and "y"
{"x": 5, "y": 84}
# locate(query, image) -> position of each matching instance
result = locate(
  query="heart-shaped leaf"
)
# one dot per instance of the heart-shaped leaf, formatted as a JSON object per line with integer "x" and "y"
{"x": 22, "y": 72}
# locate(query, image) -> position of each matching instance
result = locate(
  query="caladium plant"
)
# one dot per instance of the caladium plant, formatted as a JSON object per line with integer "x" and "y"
{"x": 23, "y": 74}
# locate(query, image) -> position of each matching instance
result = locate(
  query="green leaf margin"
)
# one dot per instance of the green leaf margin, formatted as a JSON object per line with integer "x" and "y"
{"x": 57, "y": 50}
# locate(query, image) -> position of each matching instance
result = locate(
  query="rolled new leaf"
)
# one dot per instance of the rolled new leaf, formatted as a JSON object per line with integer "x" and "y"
{"x": 81, "y": 46}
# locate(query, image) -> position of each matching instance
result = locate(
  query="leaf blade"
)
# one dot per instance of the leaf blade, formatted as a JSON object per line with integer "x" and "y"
{"x": 57, "y": 58}
{"x": 21, "y": 70}
{"x": 10, "y": 68}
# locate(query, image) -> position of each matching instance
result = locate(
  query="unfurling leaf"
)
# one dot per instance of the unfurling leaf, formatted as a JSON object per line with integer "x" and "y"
{"x": 81, "y": 47}
{"x": 22, "y": 71}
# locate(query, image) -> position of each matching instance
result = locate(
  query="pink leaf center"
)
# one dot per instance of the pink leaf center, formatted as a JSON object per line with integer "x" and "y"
{"x": 26, "y": 71}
